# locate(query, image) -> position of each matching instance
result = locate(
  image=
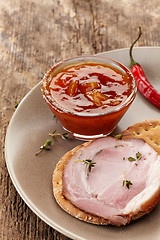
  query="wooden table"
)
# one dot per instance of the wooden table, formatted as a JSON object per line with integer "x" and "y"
{"x": 35, "y": 34}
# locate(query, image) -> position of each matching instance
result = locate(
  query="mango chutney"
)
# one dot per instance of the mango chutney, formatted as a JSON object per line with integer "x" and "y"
{"x": 89, "y": 95}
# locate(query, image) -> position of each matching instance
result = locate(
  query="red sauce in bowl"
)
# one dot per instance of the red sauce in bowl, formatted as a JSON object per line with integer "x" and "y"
{"x": 89, "y": 98}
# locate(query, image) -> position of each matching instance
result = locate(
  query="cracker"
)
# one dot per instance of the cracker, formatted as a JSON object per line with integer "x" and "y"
{"x": 149, "y": 130}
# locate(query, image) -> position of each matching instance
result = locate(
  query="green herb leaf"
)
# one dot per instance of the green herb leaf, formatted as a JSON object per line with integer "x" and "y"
{"x": 127, "y": 183}
{"x": 89, "y": 162}
{"x": 138, "y": 155}
{"x": 131, "y": 159}
{"x": 65, "y": 135}
{"x": 53, "y": 138}
{"x": 119, "y": 136}
{"x": 16, "y": 105}
{"x": 123, "y": 182}
{"x": 47, "y": 143}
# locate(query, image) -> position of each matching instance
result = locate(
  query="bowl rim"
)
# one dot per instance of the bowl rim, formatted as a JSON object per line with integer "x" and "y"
{"x": 84, "y": 59}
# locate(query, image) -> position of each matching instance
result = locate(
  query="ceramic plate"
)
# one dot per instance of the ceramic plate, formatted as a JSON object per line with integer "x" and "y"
{"x": 32, "y": 175}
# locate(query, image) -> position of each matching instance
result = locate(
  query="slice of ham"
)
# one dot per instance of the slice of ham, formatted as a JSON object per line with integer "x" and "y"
{"x": 103, "y": 191}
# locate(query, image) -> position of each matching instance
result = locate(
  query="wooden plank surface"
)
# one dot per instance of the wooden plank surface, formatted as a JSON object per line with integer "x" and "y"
{"x": 35, "y": 34}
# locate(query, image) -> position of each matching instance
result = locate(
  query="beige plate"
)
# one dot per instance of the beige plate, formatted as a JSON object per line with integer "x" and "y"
{"x": 32, "y": 175}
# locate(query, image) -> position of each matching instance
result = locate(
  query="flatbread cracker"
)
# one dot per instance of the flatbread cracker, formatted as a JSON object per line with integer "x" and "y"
{"x": 147, "y": 130}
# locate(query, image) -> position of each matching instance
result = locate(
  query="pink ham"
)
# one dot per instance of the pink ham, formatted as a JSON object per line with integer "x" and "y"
{"x": 103, "y": 191}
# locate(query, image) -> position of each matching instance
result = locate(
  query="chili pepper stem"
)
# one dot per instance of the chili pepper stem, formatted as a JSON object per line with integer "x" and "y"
{"x": 133, "y": 62}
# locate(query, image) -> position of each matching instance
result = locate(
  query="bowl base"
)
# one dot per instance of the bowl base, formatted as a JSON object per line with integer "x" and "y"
{"x": 87, "y": 137}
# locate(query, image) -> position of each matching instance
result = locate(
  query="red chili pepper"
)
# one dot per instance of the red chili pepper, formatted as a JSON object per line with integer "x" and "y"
{"x": 143, "y": 85}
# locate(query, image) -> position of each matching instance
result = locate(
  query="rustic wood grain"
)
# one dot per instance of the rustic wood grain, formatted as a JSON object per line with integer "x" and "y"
{"x": 35, "y": 34}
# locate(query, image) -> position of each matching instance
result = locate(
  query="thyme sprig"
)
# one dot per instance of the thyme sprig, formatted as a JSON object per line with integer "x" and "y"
{"x": 89, "y": 162}
{"x": 126, "y": 182}
{"x": 62, "y": 135}
{"x": 47, "y": 144}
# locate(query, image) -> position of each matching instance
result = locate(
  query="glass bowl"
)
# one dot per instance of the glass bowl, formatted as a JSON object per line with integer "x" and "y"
{"x": 89, "y": 95}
